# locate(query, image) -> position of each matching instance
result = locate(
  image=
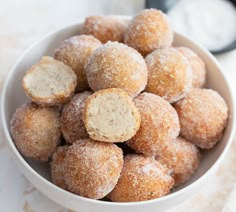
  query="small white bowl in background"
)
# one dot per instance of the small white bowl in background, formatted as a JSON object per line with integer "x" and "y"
{"x": 39, "y": 173}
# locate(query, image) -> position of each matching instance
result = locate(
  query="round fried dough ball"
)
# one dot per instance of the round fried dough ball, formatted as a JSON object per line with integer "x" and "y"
{"x": 105, "y": 28}
{"x": 92, "y": 168}
{"x": 110, "y": 115}
{"x": 197, "y": 65}
{"x": 49, "y": 82}
{"x": 149, "y": 30}
{"x": 57, "y": 166}
{"x": 36, "y": 130}
{"x": 115, "y": 65}
{"x": 159, "y": 124}
{"x": 169, "y": 74}
{"x": 72, "y": 124}
{"x": 203, "y": 116}
{"x": 142, "y": 178}
{"x": 75, "y": 52}
{"x": 183, "y": 157}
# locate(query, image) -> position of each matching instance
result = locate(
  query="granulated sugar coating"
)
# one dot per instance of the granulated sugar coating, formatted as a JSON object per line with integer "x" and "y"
{"x": 142, "y": 178}
{"x": 159, "y": 124}
{"x": 72, "y": 124}
{"x": 36, "y": 130}
{"x": 75, "y": 52}
{"x": 92, "y": 168}
{"x": 169, "y": 74}
{"x": 197, "y": 65}
{"x": 182, "y": 157}
{"x": 149, "y": 30}
{"x": 203, "y": 116}
{"x": 115, "y": 65}
{"x": 57, "y": 166}
{"x": 105, "y": 28}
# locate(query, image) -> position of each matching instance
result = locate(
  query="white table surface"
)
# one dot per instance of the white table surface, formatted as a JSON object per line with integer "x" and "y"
{"x": 24, "y": 22}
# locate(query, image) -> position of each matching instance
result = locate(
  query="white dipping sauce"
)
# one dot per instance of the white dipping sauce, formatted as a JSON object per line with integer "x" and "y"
{"x": 210, "y": 22}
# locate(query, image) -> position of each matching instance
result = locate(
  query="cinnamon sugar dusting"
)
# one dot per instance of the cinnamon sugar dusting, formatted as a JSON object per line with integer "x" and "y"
{"x": 159, "y": 124}
{"x": 75, "y": 52}
{"x": 105, "y": 28}
{"x": 36, "y": 130}
{"x": 183, "y": 157}
{"x": 142, "y": 178}
{"x": 72, "y": 118}
{"x": 115, "y": 65}
{"x": 203, "y": 116}
{"x": 92, "y": 168}
{"x": 149, "y": 30}
{"x": 198, "y": 66}
{"x": 57, "y": 166}
{"x": 169, "y": 74}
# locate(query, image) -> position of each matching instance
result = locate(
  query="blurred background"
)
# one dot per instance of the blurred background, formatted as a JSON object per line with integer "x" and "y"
{"x": 23, "y": 22}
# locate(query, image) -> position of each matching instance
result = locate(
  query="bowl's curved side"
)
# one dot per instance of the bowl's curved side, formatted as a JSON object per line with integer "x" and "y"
{"x": 11, "y": 100}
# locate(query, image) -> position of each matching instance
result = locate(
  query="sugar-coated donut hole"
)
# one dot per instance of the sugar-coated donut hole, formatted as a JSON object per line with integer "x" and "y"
{"x": 72, "y": 124}
{"x": 36, "y": 130}
{"x": 49, "y": 82}
{"x": 159, "y": 124}
{"x": 105, "y": 28}
{"x": 169, "y": 74}
{"x": 182, "y": 157}
{"x": 75, "y": 52}
{"x": 111, "y": 116}
{"x": 92, "y": 168}
{"x": 142, "y": 178}
{"x": 197, "y": 65}
{"x": 203, "y": 115}
{"x": 57, "y": 166}
{"x": 149, "y": 30}
{"x": 115, "y": 65}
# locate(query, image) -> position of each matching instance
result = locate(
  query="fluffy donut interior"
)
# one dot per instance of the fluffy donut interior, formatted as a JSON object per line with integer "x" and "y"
{"x": 110, "y": 116}
{"x": 49, "y": 78}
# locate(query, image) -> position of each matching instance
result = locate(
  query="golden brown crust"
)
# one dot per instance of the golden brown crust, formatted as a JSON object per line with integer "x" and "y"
{"x": 132, "y": 108}
{"x": 92, "y": 168}
{"x": 115, "y": 65}
{"x": 197, "y": 65}
{"x": 57, "y": 166}
{"x": 169, "y": 74}
{"x": 55, "y": 98}
{"x": 105, "y": 28}
{"x": 159, "y": 124}
{"x": 142, "y": 178}
{"x": 36, "y": 130}
{"x": 203, "y": 116}
{"x": 72, "y": 124}
{"x": 75, "y": 52}
{"x": 183, "y": 157}
{"x": 149, "y": 30}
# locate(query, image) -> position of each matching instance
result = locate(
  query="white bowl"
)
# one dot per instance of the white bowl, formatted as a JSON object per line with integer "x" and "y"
{"x": 38, "y": 173}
